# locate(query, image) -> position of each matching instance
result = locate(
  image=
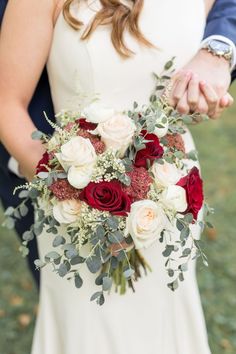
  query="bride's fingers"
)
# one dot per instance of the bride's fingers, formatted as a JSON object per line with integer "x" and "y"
{"x": 183, "y": 106}
{"x": 179, "y": 87}
{"x": 226, "y": 101}
{"x": 193, "y": 92}
{"x": 211, "y": 97}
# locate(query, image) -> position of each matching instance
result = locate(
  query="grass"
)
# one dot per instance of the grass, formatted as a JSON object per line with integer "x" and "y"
{"x": 216, "y": 142}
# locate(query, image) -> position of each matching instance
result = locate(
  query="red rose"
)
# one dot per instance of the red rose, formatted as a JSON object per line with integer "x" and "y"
{"x": 152, "y": 151}
{"x": 83, "y": 124}
{"x": 44, "y": 161}
{"x": 107, "y": 196}
{"x": 193, "y": 185}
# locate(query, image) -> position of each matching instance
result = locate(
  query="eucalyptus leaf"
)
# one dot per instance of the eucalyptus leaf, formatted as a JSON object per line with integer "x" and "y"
{"x": 181, "y": 276}
{"x": 23, "y": 210}
{"x": 99, "y": 279}
{"x": 94, "y": 264}
{"x": 72, "y": 253}
{"x": 37, "y": 135}
{"x": 52, "y": 255}
{"x": 39, "y": 264}
{"x": 23, "y": 194}
{"x": 184, "y": 233}
{"x": 174, "y": 285}
{"x": 58, "y": 240}
{"x": 180, "y": 226}
{"x": 77, "y": 260}
{"x": 33, "y": 193}
{"x": 100, "y": 232}
{"x": 9, "y": 223}
{"x": 188, "y": 218}
{"x": 28, "y": 236}
{"x": 169, "y": 249}
{"x": 9, "y": 211}
{"x": 128, "y": 273}
{"x": 115, "y": 237}
{"x": 78, "y": 281}
{"x": 24, "y": 250}
{"x": 63, "y": 270}
{"x": 43, "y": 175}
{"x": 114, "y": 262}
{"x": 101, "y": 300}
{"x": 106, "y": 283}
{"x": 186, "y": 252}
{"x": 96, "y": 295}
{"x": 112, "y": 223}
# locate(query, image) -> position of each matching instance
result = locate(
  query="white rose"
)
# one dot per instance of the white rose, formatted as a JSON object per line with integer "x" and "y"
{"x": 76, "y": 152}
{"x": 96, "y": 112}
{"x": 166, "y": 174}
{"x": 145, "y": 223}
{"x": 80, "y": 176}
{"x": 160, "y": 132}
{"x": 117, "y": 132}
{"x": 67, "y": 211}
{"x": 174, "y": 197}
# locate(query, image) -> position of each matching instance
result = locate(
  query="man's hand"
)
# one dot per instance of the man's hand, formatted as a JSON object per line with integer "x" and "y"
{"x": 202, "y": 85}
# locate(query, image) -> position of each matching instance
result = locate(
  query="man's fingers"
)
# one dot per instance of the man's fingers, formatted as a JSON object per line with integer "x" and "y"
{"x": 217, "y": 113}
{"x": 226, "y": 101}
{"x": 210, "y": 96}
{"x": 182, "y": 106}
{"x": 179, "y": 87}
{"x": 202, "y": 106}
{"x": 193, "y": 92}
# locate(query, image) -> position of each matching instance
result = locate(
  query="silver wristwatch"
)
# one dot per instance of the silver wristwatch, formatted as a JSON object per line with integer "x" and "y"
{"x": 220, "y": 49}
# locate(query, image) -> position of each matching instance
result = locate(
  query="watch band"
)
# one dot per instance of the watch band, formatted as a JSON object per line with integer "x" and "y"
{"x": 225, "y": 40}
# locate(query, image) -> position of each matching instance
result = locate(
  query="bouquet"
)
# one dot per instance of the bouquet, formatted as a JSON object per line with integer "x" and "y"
{"x": 110, "y": 184}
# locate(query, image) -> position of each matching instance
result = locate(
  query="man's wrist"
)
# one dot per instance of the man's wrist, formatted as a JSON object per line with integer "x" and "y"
{"x": 214, "y": 59}
{"x": 232, "y": 61}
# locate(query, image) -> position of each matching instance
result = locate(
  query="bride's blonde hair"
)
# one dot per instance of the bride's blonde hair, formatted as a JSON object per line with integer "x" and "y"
{"x": 120, "y": 16}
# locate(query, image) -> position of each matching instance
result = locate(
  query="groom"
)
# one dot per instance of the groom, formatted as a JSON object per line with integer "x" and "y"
{"x": 220, "y": 39}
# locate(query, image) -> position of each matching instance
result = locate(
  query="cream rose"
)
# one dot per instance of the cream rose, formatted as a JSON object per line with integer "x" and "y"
{"x": 80, "y": 176}
{"x": 174, "y": 197}
{"x": 166, "y": 174}
{"x": 96, "y": 112}
{"x": 145, "y": 223}
{"x": 67, "y": 211}
{"x": 117, "y": 133}
{"x": 77, "y": 152}
{"x": 78, "y": 157}
{"x": 162, "y": 120}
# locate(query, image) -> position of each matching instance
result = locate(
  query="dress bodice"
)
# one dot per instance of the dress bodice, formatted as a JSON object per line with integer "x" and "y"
{"x": 93, "y": 66}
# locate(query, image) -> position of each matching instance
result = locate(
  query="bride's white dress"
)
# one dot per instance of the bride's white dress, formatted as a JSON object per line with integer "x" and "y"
{"x": 154, "y": 320}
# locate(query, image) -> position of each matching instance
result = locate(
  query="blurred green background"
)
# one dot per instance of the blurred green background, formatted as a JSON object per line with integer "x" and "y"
{"x": 216, "y": 142}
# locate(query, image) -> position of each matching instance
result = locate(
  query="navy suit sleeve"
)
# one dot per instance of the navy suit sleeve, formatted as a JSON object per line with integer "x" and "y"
{"x": 222, "y": 20}
{"x": 3, "y": 4}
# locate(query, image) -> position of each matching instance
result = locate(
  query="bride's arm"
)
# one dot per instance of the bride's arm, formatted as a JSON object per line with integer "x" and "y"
{"x": 25, "y": 41}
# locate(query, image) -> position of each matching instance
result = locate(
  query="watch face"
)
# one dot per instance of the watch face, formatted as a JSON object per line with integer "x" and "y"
{"x": 219, "y": 47}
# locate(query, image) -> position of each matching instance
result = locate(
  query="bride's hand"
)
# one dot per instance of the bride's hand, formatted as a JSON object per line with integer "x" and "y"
{"x": 202, "y": 85}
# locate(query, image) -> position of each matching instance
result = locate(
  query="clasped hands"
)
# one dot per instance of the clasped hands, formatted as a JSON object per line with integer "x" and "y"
{"x": 202, "y": 86}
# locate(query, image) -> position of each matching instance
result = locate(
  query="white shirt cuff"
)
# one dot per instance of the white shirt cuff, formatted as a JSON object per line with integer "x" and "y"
{"x": 225, "y": 40}
{"x": 13, "y": 166}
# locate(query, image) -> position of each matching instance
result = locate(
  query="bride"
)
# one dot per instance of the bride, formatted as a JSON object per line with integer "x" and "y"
{"x": 110, "y": 48}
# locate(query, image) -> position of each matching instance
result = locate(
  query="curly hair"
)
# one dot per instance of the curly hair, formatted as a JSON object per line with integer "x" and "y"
{"x": 121, "y": 17}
